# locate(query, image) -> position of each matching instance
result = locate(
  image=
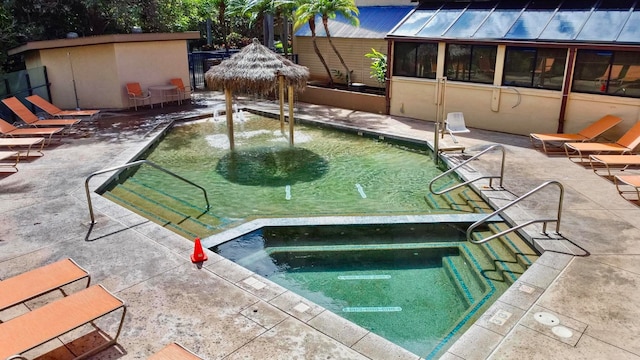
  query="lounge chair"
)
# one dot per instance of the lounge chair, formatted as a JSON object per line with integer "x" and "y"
{"x": 625, "y": 144}
{"x": 631, "y": 75}
{"x": 55, "y": 111}
{"x": 14, "y": 158}
{"x": 454, "y": 124}
{"x": 14, "y": 143}
{"x": 619, "y": 162}
{"x": 37, "y": 282}
{"x": 134, "y": 91}
{"x": 39, "y": 326}
{"x": 632, "y": 180}
{"x": 183, "y": 90}
{"x": 587, "y": 134}
{"x": 174, "y": 351}
{"x": 10, "y": 130}
{"x": 31, "y": 119}
{"x": 612, "y": 74}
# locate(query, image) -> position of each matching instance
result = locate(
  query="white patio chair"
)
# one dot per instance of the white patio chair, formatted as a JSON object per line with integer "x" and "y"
{"x": 454, "y": 124}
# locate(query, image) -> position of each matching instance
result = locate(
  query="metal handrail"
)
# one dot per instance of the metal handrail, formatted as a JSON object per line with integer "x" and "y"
{"x": 544, "y": 221}
{"x": 128, "y": 165}
{"x": 490, "y": 177}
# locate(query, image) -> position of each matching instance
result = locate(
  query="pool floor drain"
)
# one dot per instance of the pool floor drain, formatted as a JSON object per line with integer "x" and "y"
{"x": 546, "y": 318}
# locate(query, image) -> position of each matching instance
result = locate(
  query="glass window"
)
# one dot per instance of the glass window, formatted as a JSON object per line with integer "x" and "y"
{"x": 441, "y": 21}
{"x": 631, "y": 30}
{"x": 470, "y": 20}
{"x": 473, "y": 63}
{"x": 606, "y": 21}
{"x": 415, "y": 59}
{"x": 607, "y": 72}
{"x": 414, "y": 23}
{"x": 501, "y": 19}
{"x": 534, "y": 67}
{"x": 531, "y": 23}
{"x": 566, "y": 23}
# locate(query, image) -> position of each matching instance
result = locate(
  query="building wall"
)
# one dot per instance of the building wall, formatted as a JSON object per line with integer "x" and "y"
{"x": 515, "y": 110}
{"x": 151, "y": 63}
{"x": 100, "y": 71}
{"x": 88, "y": 66}
{"x": 352, "y": 51}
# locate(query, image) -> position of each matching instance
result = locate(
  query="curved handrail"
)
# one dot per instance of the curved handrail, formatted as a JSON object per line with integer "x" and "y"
{"x": 490, "y": 177}
{"x": 544, "y": 221}
{"x": 128, "y": 165}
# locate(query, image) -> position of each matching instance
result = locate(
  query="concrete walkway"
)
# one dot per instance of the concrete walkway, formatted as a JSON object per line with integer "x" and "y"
{"x": 222, "y": 311}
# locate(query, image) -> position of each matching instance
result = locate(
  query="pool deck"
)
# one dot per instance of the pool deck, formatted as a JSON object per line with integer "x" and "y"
{"x": 222, "y": 311}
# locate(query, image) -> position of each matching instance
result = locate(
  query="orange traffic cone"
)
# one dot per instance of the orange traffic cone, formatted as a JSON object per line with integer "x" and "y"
{"x": 198, "y": 254}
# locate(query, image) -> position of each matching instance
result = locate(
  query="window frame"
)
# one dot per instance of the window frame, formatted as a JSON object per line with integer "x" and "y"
{"x": 536, "y": 66}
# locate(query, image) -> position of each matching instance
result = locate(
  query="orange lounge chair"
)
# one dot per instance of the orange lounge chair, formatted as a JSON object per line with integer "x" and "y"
{"x": 45, "y": 279}
{"x": 620, "y": 162}
{"x": 629, "y": 141}
{"x": 587, "y": 134}
{"x": 34, "y": 328}
{"x": 631, "y": 75}
{"x": 615, "y": 71}
{"x": 31, "y": 119}
{"x": 174, "y": 351}
{"x": 10, "y": 130}
{"x": 55, "y": 111}
{"x": 628, "y": 180}
{"x": 134, "y": 91}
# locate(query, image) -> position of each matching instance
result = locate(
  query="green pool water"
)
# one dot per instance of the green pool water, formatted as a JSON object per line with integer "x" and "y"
{"x": 326, "y": 172}
{"x": 418, "y": 286}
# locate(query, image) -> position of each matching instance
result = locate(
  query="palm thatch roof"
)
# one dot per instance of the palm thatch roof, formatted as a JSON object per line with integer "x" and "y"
{"x": 255, "y": 69}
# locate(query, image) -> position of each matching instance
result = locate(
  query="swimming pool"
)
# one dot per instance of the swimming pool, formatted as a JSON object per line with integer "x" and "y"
{"x": 337, "y": 176}
{"x": 417, "y": 285}
{"x": 328, "y": 172}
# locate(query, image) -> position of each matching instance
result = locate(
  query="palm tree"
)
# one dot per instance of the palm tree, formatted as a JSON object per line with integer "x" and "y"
{"x": 328, "y": 9}
{"x": 306, "y": 14}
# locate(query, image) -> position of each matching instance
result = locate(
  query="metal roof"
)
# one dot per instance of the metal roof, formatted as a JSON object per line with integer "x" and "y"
{"x": 375, "y": 23}
{"x": 593, "y": 21}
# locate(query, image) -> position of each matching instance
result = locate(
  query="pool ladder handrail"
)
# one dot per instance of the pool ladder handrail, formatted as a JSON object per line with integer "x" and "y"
{"x": 490, "y": 177}
{"x": 517, "y": 227}
{"x": 131, "y": 164}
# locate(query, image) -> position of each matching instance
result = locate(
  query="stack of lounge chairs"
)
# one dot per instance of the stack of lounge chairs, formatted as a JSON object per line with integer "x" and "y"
{"x": 33, "y": 133}
{"x": 582, "y": 148}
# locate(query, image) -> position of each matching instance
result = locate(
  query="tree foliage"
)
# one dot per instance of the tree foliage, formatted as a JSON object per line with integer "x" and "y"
{"x": 34, "y": 20}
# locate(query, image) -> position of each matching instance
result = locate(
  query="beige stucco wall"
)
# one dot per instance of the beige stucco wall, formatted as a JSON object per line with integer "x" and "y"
{"x": 508, "y": 109}
{"x": 94, "y": 72}
{"x": 352, "y": 51}
{"x": 103, "y": 65}
{"x": 151, "y": 63}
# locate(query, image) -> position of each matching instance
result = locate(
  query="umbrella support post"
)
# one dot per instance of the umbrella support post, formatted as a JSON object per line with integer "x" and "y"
{"x": 281, "y": 96}
{"x": 228, "y": 100}
{"x": 291, "y": 120}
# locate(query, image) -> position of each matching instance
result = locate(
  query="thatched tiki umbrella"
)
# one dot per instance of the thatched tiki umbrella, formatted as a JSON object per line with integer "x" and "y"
{"x": 257, "y": 70}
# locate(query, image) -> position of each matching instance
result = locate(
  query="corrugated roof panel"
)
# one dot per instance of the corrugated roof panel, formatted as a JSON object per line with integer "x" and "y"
{"x": 375, "y": 23}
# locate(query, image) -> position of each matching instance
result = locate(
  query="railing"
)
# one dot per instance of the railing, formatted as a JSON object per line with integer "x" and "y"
{"x": 128, "y": 165}
{"x": 512, "y": 229}
{"x": 490, "y": 177}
